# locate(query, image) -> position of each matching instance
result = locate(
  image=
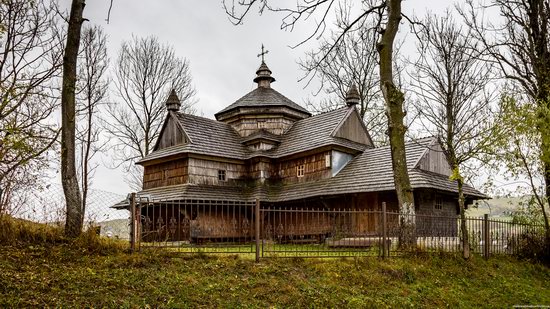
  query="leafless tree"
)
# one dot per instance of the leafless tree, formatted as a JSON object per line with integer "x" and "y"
{"x": 92, "y": 85}
{"x": 520, "y": 45}
{"x": 30, "y": 61}
{"x": 69, "y": 180}
{"x": 386, "y": 16}
{"x": 145, "y": 73}
{"x": 353, "y": 61}
{"x": 455, "y": 93}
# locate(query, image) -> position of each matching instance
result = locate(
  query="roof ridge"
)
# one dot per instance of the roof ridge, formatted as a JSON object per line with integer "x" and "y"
{"x": 329, "y": 111}
{"x": 408, "y": 142}
{"x": 280, "y": 100}
{"x": 208, "y": 119}
{"x": 196, "y": 116}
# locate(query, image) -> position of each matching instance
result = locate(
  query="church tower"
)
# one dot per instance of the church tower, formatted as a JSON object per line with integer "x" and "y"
{"x": 263, "y": 111}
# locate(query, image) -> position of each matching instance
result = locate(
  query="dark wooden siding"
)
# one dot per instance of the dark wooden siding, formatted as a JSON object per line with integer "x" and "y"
{"x": 435, "y": 222}
{"x": 435, "y": 161}
{"x": 166, "y": 174}
{"x": 353, "y": 130}
{"x": 315, "y": 168}
{"x": 203, "y": 171}
{"x": 171, "y": 134}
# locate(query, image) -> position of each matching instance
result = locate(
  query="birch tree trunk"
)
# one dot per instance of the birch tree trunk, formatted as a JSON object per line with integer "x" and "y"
{"x": 73, "y": 220}
{"x": 394, "y": 108}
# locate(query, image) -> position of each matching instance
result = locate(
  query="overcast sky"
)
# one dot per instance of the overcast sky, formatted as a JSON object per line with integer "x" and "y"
{"x": 222, "y": 56}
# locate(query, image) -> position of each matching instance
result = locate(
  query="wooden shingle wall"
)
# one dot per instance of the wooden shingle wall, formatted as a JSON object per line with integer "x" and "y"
{"x": 315, "y": 168}
{"x": 257, "y": 166}
{"x": 276, "y": 125}
{"x": 435, "y": 161}
{"x": 171, "y": 135}
{"x": 166, "y": 174}
{"x": 202, "y": 171}
{"x": 353, "y": 130}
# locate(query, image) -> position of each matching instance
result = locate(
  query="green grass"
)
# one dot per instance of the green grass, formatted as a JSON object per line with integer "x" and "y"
{"x": 66, "y": 275}
{"x": 39, "y": 267}
{"x": 248, "y": 250}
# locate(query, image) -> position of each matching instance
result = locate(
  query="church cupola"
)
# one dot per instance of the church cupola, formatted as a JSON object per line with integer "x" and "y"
{"x": 173, "y": 103}
{"x": 352, "y": 97}
{"x": 263, "y": 74}
{"x": 263, "y": 111}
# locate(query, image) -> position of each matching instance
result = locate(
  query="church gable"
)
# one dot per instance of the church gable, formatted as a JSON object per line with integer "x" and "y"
{"x": 352, "y": 128}
{"x": 434, "y": 160}
{"x": 171, "y": 134}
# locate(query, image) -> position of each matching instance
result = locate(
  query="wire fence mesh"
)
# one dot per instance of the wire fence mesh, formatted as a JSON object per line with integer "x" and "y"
{"x": 46, "y": 205}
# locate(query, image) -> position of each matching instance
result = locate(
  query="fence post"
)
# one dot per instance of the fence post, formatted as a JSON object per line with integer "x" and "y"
{"x": 133, "y": 222}
{"x": 384, "y": 231}
{"x": 486, "y": 236}
{"x": 257, "y": 221}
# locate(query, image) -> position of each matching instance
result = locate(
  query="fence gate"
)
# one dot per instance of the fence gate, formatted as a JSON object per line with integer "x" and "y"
{"x": 321, "y": 232}
{"x": 193, "y": 226}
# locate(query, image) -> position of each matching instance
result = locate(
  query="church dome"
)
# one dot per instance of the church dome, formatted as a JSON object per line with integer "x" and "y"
{"x": 263, "y": 108}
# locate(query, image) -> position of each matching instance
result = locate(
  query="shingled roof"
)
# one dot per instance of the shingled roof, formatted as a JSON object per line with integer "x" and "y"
{"x": 207, "y": 136}
{"x": 370, "y": 171}
{"x": 263, "y": 97}
{"x": 215, "y": 138}
{"x": 315, "y": 132}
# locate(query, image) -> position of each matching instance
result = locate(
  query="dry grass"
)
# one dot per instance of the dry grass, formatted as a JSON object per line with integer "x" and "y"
{"x": 20, "y": 233}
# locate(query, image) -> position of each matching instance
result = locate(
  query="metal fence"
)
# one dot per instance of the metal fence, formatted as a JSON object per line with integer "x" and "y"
{"x": 222, "y": 227}
{"x": 192, "y": 226}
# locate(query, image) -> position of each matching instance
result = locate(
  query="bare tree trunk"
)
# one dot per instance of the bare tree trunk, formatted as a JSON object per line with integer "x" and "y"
{"x": 394, "y": 105}
{"x": 86, "y": 158}
{"x": 92, "y": 88}
{"x": 73, "y": 221}
{"x": 463, "y": 227}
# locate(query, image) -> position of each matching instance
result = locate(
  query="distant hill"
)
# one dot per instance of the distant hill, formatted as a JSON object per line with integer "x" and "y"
{"x": 497, "y": 207}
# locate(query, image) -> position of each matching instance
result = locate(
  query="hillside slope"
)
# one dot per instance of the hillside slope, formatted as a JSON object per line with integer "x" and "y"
{"x": 58, "y": 276}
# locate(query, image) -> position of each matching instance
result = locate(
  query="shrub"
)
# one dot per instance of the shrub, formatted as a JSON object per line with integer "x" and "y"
{"x": 534, "y": 245}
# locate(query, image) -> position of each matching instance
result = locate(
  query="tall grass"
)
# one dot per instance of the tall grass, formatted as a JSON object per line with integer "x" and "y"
{"x": 19, "y": 232}
{"x": 15, "y": 231}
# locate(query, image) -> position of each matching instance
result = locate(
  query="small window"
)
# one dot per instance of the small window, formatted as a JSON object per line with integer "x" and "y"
{"x": 438, "y": 205}
{"x": 221, "y": 175}
{"x": 300, "y": 170}
{"x": 327, "y": 160}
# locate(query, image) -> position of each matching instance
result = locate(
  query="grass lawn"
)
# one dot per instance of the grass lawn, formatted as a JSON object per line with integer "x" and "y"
{"x": 64, "y": 275}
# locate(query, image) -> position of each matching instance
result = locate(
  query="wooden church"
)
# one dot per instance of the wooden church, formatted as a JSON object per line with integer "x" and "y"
{"x": 265, "y": 147}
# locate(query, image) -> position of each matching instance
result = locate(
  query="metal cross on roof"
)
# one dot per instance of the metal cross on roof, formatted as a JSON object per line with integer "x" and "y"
{"x": 263, "y": 53}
